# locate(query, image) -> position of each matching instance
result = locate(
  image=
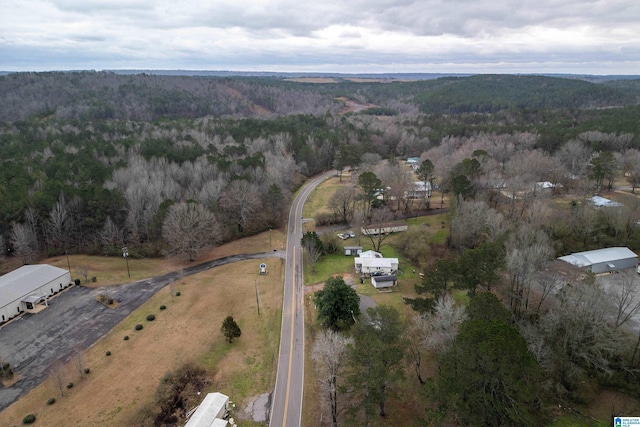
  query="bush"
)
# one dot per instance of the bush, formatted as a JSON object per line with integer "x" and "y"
{"x": 70, "y": 385}
{"x": 126, "y": 337}
{"x": 29, "y": 419}
{"x": 178, "y": 293}
{"x": 51, "y": 401}
{"x": 77, "y": 282}
{"x": 151, "y": 317}
{"x": 87, "y": 370}
{"x": 109, "y": 301}
{"x": 108, "y": 353}
{"x": 139, "y": 327}
{"x": 162, "y": 307}
{"x": 325, "y": 218}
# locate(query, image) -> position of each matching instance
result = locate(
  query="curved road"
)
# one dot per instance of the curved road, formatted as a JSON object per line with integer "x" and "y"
{"x": 286, "y": 405}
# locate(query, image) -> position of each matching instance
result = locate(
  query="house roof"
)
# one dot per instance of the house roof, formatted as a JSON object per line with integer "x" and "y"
{"x": 379, "y": 262}
{"x": 388, "y": 278}
{"x": 370, "y": 254}
{"x": 353, "y": 247}
{"x": 601, "y": 201}
{"x": 20, "y": 282}
{"x": 585, "y": 259}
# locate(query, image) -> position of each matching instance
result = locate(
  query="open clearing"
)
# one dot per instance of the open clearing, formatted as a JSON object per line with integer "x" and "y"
{"x": 120, "y": 385}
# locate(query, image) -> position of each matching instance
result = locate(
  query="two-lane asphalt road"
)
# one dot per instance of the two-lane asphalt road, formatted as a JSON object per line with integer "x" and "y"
{"x": 286, "y": 406}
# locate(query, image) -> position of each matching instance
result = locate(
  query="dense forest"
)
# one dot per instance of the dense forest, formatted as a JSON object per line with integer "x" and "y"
{"x": 94, "y": 161}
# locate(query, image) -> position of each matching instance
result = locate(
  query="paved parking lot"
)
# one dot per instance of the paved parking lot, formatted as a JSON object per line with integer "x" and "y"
{"x": 74, "y": 321}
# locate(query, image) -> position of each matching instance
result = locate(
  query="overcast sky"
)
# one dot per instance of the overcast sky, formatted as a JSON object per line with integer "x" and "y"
{"x": 347, "y": 36}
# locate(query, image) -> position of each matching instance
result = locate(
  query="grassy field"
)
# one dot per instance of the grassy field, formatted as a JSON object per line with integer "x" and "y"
{"x": 120, "y": 385}
{"x": 318, "y": 201}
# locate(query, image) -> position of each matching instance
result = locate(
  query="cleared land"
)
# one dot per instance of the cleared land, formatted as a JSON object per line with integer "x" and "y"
{"x": 120, "y": 385}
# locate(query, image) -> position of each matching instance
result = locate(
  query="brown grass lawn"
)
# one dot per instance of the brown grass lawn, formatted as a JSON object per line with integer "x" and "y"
{"x": 113, "y": 270}
{"x": 118, "y": 386}
{"x": 319, "y": 198}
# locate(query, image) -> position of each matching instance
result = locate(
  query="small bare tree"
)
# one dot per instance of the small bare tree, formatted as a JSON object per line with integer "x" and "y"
{"x": 626, "y": 300}
{"x": 330, "y": 352}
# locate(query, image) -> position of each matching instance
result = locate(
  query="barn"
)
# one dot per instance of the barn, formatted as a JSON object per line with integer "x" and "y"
{"x": 24, "y": 288}
{"x": 603, "y": 260}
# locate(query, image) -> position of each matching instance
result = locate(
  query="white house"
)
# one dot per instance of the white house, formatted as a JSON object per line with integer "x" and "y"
{"x": 386, "y": 281}
{"x": 211, "y": 412}
{"x": 419, "y": 190}
{"x": 371, "y": 254}
{"x": 376, "y": 265}
{"x": 22, "y": 289}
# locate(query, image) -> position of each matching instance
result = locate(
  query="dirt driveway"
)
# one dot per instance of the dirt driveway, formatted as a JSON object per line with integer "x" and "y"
{"x": 75, "y": 320}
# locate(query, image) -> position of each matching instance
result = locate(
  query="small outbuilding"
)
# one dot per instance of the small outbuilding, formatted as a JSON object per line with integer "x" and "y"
{"x": 601, "y": 202}
{"x": 212, "y": 412}
{"x": 352, "y": 250}
{"x": 24, "y": 288}
{"x": 603, "y": 260}
{"x": 386, "y": 281}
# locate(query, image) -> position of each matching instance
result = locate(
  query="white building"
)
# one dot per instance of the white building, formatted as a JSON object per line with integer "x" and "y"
{"x": 376, "y": 265}
{"x": 211, "y": 412}
{"x": 419, "y": 190}
{"x": 600, "y": 202}
{"x": 603, "y": 260}
{"x": 380, "y": 282}
{"x": 24, "y": 288}
{"x": 383, "y": 229}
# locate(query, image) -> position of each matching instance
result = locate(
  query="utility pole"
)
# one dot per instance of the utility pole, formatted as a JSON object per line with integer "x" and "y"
{"x": 255, "y": 283}
{"x": 125, "y": 254}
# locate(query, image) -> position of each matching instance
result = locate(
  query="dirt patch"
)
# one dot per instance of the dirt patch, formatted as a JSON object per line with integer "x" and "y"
{"x": 257, "y": 409}
{"x": 312, "y": 80}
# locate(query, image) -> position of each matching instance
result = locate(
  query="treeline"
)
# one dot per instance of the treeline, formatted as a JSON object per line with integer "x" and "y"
{"x": 113, "y": 152}
{"x": 104, "y": 96}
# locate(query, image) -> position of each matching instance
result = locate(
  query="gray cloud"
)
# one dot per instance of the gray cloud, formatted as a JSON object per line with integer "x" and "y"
{"x": 590, "y": 36}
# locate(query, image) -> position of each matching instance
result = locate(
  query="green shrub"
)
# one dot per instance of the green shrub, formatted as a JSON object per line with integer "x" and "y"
{"x": 139, "y": 327}
{"x": 110, "y": 301}
{"x": 151, "y": 317}
{"x": 178, "y": 293}
{"x": 126, "y": 337}
{"x": 70, "y": 385}
{"x": 87, "y": 370}
{"x": 162, "y": 307}
{"x": 108, "y": 353}
{"x": 51, "y": 401}
{"x": 29, "y": 419}
{"x": 77, "y": 282}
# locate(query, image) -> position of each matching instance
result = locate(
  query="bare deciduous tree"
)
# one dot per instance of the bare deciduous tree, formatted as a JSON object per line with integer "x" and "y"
{"x": 527, "y": 251}
{"x": 626, "y": 298}
{"x": 24, "y": 242}
{"x": 343, "y": 202}
{"x": 330, "y": 352}
{"x": 190, "y": 227}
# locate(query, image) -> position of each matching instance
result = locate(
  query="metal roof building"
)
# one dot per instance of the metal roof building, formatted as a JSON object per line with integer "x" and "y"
{"x": 23, "y": 288}
{"x": 603, "y": 260}
{"x": 211, "y": 411}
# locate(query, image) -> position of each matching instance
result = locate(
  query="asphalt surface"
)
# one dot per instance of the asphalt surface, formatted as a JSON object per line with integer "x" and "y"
{"x": 286, "y": 409}
{"x": 75, "y": 320}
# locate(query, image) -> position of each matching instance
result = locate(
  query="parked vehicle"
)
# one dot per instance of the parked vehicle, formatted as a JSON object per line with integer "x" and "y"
{"x": 351, "y": 234}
